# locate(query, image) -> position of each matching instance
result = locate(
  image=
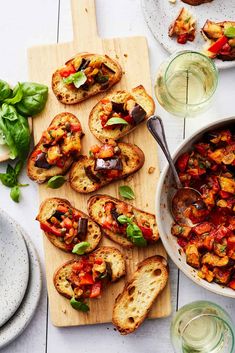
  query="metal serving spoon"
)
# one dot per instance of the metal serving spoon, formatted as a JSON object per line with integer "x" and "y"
{"x": 184, "y": 196}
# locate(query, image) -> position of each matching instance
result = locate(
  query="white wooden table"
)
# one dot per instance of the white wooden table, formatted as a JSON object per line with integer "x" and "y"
{"x": 25, "y": 23}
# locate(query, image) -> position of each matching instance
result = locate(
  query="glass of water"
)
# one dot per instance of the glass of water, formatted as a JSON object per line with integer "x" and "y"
{"x": 186, "y": 83}
{"x": 202, "y": 327}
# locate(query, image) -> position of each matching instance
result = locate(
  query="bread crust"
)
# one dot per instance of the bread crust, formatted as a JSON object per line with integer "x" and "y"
{"x": 47, "y": 209}
{"x": 67, "y": 95}
{"x": 142, "y": 98}
{"x": 94, "y": 206}
{"x": 40, "y": 175}
{"x": 109, "y": 254}
{"x": 133, "y": 304}
{"x": 132, "y": 159}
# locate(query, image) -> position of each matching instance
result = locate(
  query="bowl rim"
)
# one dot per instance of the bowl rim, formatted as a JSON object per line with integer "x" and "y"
{"x": 213, "y": 287}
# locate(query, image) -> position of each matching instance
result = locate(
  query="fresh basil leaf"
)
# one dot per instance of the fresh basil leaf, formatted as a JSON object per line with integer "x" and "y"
{"x": 33, "y": 100}
{"x": 80, "y": 248}
{"x": 78, "y": 79}
{"x": 5, "y": 90}
{"x": 135, "y": 235}
{"x": 123, "y": 219}
{"x": 15, "y": 193}
{"x": 126, "y": 192}
{"x": 56, "y": 181}
{"x": 8, "y": 138}
{"x": 116, "y": 121}
{"x": 10, "y": 170}
{"x": 17, "y": 95}
{"x": 79, "y": 305}
{"x": 139, "y": 241}
{"x": 8, "y": 112}
{"x": 230, "y": 32}
{"x": 18, "y": 168}
{"x": 7, "y": 180}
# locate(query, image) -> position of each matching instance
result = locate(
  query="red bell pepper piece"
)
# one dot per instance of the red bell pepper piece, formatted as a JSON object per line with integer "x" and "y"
{"x": 67, "y": 70}
{"x": 182, "y": 38}
{"x": 77, "y": 266}
{"x": 46, "y": 227}
{"x": 182, "y": 162}
{"x": 75, "y": 127}
{"x": 62, "y": 209}
{"x": 218, "y": 45}
{"x": 67, "y": 223}
{"x": 182, "y": 242}
{"x": 225, "y": 194}
{"x": 147, "y": 232}
{"x": 60, "y": 163}
{"x": 95, "y": 290}
{"x": 98, "y": 261}
{"x": 221, "y": 233}
{"x": 86, "y": 279}
{"x": 231, "y": 242}
{"x": 202, "y": 228}
{"x": 202, "y": 148}
{"x": 232, "y": 284}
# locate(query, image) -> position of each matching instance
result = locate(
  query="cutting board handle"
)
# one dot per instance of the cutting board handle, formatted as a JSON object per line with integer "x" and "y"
{"x": 84, "y": 19}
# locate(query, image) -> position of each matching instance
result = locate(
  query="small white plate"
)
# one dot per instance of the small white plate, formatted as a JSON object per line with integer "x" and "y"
{"x": 14, "y": 265}
{"x": 17, "y": 324}
{"x": 159, "y": 14}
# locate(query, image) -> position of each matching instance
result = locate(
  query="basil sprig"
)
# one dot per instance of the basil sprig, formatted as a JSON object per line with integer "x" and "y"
{"x": 79, "y": 305}
{"x": 80, "y": 248}
{"x": 230, "y": 32}
{"x": 126, "y": 192}
{"x": 56, "y": 181}
{"x": 78, "y": 79}
{"x": 116, "y": 121}
{"x": 133, "y": 232}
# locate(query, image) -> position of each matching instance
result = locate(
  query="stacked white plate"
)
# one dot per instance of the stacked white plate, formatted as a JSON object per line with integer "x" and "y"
{"x": 20, "y": 279}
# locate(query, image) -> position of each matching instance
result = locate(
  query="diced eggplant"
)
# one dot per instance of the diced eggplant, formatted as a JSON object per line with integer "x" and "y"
{"x": 114, "y": 214}
{"x": 82, "y": 228}
{"x": 109, "y": 270}
{"x": 138, "y": 114}
{"x": 57, "y": 215}
{"x": 84, "y": 64}
{"x": 107, "y": 68}
{"x": 118, "y": 107}
{"x": 108, "y": 164}
{"x": 41, "y": 161}
{"x": 91, "y": 175}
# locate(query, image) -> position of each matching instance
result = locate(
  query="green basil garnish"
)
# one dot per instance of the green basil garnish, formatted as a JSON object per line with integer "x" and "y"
{"x": 17, "y": 95}
{"x": 230, "y": 32}
{"x": 133, "y": 232}
{"x": 126, "y": 192}
{"x": 5, "y": 90}
{"x": 80, "y": 248}
{"x": 56, "y": 181}
{"x": 15, "y": 193}
{"x": 78, "y": 79}
{"x": 79, "y": 305}
{"x": 34, "y": 97}
{"x": 116, "y": 121}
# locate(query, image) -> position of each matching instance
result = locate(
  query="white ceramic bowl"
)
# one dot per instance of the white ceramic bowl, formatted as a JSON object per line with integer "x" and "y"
{"x": 165, "y": 191}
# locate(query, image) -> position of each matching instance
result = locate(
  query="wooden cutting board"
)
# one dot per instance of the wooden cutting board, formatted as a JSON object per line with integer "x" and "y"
{"x": 132, "y": 54}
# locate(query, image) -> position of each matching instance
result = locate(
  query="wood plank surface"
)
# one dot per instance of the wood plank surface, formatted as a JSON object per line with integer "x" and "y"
{"x": 132, "y": 54}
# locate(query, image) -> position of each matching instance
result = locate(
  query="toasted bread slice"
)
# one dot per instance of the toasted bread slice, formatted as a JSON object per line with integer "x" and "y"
{"x": 69, "y": 94}
{"x": 48, "y": 209}
{"x": 132, "y": 159}
{"x": 133, "y": 304}
{"x": 138, "y": 95}
{"x": 96, "y": 210}
{"x": 110, "y": 255}
{"x": 40, "y": 175}
{"x": 196, "y": 2}
{"x": 184, "y": 24}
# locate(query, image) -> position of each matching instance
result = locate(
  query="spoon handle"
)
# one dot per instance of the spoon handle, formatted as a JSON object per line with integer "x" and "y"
{"x": 155, "y": 126}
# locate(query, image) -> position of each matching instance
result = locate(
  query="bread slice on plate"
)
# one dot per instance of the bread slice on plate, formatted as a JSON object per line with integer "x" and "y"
{"x": 58, "y": 147}
{"x": 105, "y": 265}
{"x": 133, "y": 107}
{"x": 107, "y": 163}
{"x": 65, "y": 226}
{"x": 105, "y": 210}
{"x": 133, "y": 304}
{"x": 84, "y": 76}
{"x": 183, "y": 27}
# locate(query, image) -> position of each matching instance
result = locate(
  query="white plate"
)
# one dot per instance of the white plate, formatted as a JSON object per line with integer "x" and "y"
{"x": 14, "y": 267}
{"x": 159, "y": 14}
{"x": 17, "y": 324}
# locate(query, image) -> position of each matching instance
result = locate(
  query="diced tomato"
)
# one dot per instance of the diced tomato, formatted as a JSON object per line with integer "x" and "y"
{"x": 182, "y": 162}
{"x": 225, "y": 194}
{"x": 106, "y": 151}
{"x": 147, "y": 232}
{"x": 74, "y": 279}
{"x": 60, "y": 163}
{"x": 95, "y": 290}
{"x": 202, "y": 228}
{"x": 77, "y": 266}
{"x": 182, "y": 38}
{"x": 86, "y": 279}
{"x": 182, "y": 242}
{"x": 226, "y": 49}
{"x": 231, "y": 242}
{"x": 108, "y": 206}
{"x": 196, "y": 172}
{"x": 67, "y": 223}
{"x": 62, "y": 209}
{"x": 98, "y": 261}
{"x": 128, "y": 119}
{"x": 218, "y": 45}
{"x": 46, "y": 227}
{"x": 95, "y": 149}
{"x": 221, "y": 233}
{"x": 202, "y": 148}
{"x": 67, "y": 70}
{"x": 112, "y": 174}
{"x": 104, "y": 119}
{"x": 75, "y": 127}
{"x": 232, "y": 284}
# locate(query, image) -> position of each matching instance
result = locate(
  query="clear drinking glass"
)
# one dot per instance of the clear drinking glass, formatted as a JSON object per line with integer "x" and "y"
{"x": 186, "y": 83}
{"x": 202, "y": 327}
